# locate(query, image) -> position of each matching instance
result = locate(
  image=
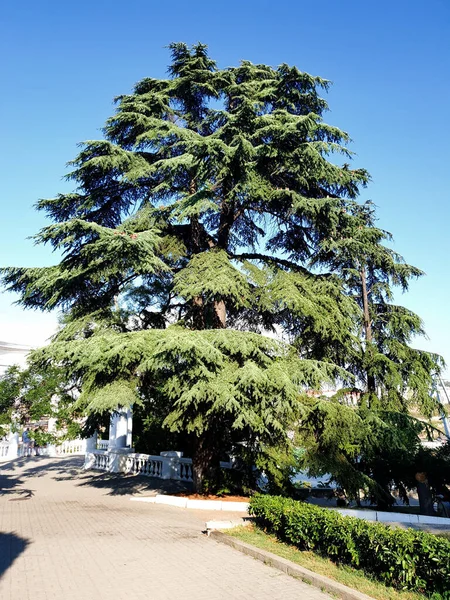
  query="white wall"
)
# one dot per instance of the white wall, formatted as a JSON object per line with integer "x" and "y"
{"x": 12, "y": 354}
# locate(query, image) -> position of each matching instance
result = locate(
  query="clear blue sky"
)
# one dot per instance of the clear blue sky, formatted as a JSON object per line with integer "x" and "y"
{"x": 389, "y": 61}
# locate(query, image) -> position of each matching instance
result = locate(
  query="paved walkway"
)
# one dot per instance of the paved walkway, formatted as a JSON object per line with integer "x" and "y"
{"x": 70, "y": 535}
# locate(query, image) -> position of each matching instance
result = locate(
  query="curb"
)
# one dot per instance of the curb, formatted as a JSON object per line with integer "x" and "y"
{"x": 319, "y": 581}
{"x": 392, "y": 517}
{"x": 211, "y": 526}
{"x": 182, "y": 502}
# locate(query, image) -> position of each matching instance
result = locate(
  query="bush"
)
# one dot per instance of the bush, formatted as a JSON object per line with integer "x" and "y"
{"x": 405, "y": 559}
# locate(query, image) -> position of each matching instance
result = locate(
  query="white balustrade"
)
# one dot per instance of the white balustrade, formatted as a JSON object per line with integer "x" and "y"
{"x": 71, "y": 447}
{"x": 4, "y": 450}
{"x": 145, "y": 464}
{"x": 102, "y": 444}
{"x": 185, "y": 469}
{"x": 101, "y": 460}
{"x": 161, "y": 467}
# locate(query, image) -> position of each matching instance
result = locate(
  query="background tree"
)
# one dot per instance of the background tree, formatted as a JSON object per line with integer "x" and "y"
{"x": 393, "y": 380}
{"x": 9, "y": 391}
{"x": 35, "y": 394}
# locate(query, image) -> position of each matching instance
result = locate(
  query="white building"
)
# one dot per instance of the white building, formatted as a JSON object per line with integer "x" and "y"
{"x": 12, "y": 354}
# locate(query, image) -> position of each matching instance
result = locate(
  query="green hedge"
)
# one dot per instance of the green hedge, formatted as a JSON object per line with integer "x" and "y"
{"x": 402, "y": 558}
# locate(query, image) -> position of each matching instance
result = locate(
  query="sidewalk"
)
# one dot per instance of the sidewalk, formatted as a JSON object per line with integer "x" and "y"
{"x": 66, "y": 534}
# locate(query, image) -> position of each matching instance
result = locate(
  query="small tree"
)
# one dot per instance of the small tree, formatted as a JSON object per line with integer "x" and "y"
{"x": 9, "y": 391}
{"x": 378, "y": 441}
{"x": 35, "y": 393}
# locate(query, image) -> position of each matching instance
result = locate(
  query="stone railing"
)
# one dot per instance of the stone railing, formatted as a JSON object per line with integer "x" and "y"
{"x": 4, "y": 450}
{"x": 145, "y": 464}
{"x": 100, "y": 460}
{"x": 162, "y": 467}
{"x": 168, "y": 465}
{"x": 102, "y": 444}
{"x": 122, "y": 460}
{"x": 70, "y": 447}
{"x": 14, "y": 448}
{"x": 185, "y": 469}
{"x": 10, "y": 448}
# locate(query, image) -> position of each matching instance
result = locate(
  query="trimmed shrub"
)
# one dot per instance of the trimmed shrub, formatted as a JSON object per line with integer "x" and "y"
{"x": 402, "y": 558}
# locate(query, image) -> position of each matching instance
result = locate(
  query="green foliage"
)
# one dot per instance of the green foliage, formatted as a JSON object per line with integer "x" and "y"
{"x": 364, "y": 437}
{"x": 405, "y": 559}
{"x": 208, "y": 178}
{"x": 42, "y": 438}
{"x": 35, "y": 393}
{"x": 390, "y": 373}
{"x": 367, "y": 452}
{"x": 9, "y": 391}
{"x": 212, "y": 276}
{"x": 244, "y": 380}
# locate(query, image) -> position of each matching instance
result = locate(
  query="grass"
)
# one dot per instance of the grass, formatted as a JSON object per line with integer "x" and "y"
{"x": 344, "y": 574}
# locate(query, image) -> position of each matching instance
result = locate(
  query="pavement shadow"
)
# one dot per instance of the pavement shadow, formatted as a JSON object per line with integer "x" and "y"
{"x": 11, "y": 546}
{"x": 12, "y": 483}
{"x": 39, "y": 466}
{"x": 14, "y": 474}
{"x": 119, "y": 484}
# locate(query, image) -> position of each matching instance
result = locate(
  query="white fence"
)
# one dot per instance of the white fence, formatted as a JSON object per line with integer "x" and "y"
{"x": 100, "y": 460}
{"x": 71, "y": 447}
{"x": 4, "y": 450}
{"x": 121, "y": 460}
{"x": 162, "y": 467}
{"x": 168, "y": 465}
{"x": 12, "y": 449}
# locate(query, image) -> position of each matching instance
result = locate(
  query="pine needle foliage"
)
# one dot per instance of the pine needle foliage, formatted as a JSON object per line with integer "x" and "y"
{"x": 391, "y": 374}
{"x": 377, "y": 441}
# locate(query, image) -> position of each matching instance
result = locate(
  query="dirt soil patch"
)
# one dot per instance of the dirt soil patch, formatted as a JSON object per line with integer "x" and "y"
{"x": 213, "y": 497}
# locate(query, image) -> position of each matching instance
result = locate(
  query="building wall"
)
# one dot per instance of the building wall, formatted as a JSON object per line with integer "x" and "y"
{"x": 12, "y": 354}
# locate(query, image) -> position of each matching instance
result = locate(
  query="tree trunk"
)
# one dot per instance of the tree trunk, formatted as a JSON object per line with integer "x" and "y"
{"x": 227, "y": 217}
{"x": 226, "y": 223}
{"x": 371, "y": 384}
{"x": 197, "y": 302}
{"x": 424, "y": 493}
{"x": 385, "y": 501}
{"x": 365, "y": 300}
{"x": 198, "y": 312}
{"x": 221, "y": 314}
{"x": 195, "y": 225}
{"x": 205, "y": 463}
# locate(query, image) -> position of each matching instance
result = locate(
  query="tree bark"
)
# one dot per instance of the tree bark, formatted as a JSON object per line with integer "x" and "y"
{"x": 197, "y": 302}
{"x": 221, "y": 314}
{"x": 424, "y": 493}
{"x": 225, "y": 224}
{"x": 205, "y": 463}
{"x": 371, "y": 384}
{"x": 198, "y": 317}
{"x": 365, "y": 300}
{"x": 227, "y": 217}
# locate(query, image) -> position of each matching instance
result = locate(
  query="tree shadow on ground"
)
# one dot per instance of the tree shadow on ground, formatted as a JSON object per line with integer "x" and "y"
{"x": 39, "y": 466}
{"x": 12, "y": 484}
{"x": 11, "y": 546}
{"x": 14, "y": 474}
{"x": 119, "y": 484}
